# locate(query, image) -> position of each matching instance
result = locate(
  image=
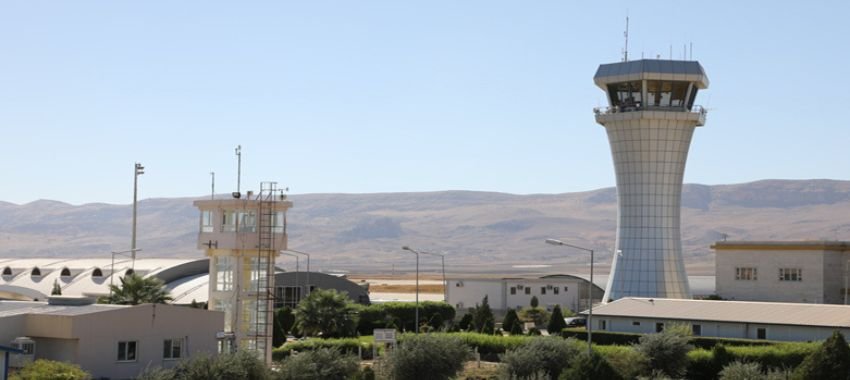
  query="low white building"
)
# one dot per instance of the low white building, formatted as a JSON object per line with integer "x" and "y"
{"x": 110, "y": 341}
{"x": 725, "y": 319}
{"x": 782, "y": 271}
{"x": 565, "y": 290}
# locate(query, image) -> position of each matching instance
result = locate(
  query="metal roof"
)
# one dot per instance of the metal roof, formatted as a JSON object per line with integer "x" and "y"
{"x": 653, "y": 69}
{"x": 772, "y": 313}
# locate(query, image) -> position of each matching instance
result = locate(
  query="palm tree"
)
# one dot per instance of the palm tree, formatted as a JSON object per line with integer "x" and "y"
{"x": 326, "y": 313}
{"x": 136, "y": 290}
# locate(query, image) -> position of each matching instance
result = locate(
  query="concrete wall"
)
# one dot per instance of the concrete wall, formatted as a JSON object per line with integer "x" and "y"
{"x": 463, "y": 294}
{"x": 737, "y": 330}
{"x": 571, "y": 293}
{"x": 768, "y": 287}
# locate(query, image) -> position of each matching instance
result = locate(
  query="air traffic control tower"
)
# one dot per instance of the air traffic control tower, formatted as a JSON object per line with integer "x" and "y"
{"x": 650, "y": 120}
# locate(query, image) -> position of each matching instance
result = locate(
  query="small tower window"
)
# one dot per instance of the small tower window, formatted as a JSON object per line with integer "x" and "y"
{"x": 36, "y": 272}
{"x": 97, "y": 272}
{"x": 7, "y": 271}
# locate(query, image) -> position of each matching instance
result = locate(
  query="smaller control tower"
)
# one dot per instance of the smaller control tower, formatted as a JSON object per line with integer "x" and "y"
{"x": 242, "y": 237}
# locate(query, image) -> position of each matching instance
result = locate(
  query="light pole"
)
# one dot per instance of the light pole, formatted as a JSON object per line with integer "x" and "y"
{"x": 112, "y": 267}
{"x": 589, "y": 292}
{"x": 415, "y": 252}
{"x": 212, "y": 185}
{"x": 139, "y": 170}
{"x": 308, "y": 266}
{"x": 846, "y": 267}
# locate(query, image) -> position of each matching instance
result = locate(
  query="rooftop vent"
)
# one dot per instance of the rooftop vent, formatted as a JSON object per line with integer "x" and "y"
{"x": 69, "y": 301}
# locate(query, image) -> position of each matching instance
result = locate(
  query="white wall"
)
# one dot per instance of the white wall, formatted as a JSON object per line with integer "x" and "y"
{"x": 468, "y": 293}
{"x": 768, "y": 287}
{"x": 721, "y": 329}
{"x": 471, "y": 292}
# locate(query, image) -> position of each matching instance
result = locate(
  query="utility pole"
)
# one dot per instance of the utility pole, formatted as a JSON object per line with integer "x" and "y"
{"x": 139, "y": 170}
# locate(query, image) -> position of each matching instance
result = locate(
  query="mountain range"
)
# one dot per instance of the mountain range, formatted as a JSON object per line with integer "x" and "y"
{"x": 477, "y": 231}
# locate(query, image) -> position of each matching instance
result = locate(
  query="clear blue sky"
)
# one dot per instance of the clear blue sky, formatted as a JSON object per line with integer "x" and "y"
{"x": 386, "y": 96}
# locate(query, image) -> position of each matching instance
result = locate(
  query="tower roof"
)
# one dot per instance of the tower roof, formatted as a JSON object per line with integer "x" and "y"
{"x": 651, "y": 69}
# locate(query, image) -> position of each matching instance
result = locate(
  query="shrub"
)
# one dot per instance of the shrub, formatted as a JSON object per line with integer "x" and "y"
{"x": 741, "y": 371}
{"x": 537, "y": 315}
{"x": 324, "y": 363}
{"x": 401, "y": 315}
{"x": 667, "y": 352}
{"x": 511, "y": 320}
{"x": 465, "y": 321}
{"x": 432, "y": 356}
{"x": 50, "y": 370}
{"x": 556, "y": 321}
{"x": 482, "y": 318}
{"x": 590, "y": 366}
{"x": 550, "y": 355}
{"x": 236, "y": 366}
{"x": 348, "y": 346}
{"x": 534, "y": 302}
{"x": 628, "y": 362}
{"x": 830, "y": 361}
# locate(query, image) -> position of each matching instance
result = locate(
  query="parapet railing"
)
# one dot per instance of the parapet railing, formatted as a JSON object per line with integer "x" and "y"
{"x": 639, "y": 107}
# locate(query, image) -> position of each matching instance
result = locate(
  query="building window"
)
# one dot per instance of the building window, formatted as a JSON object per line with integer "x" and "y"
{"x": 223, "y": 273}
{"x": 761, "y": 333}
{"x": 97, "y": 272}
{"x": 556, "y": 290}
{"x": 36, "y": 272}
{"x": 127, "y": 351}
{"x": 247, "y": 221}
{"x": 746, "y": 274}
{"x": 790, "y": 274}
{"x": 659, "y": 327}
{"x": 635, "y": 323}
{"x": 172, "y": 348}
{"x": 207, "y": 221}
{"x": 696, "y": 330}
{"x": 227, "y": 307}
{"x": 542, "y": 290}
{"x": 65, "y": 272}
{"x": 513, "y": 290}
{"x": 287, "y": 296}
{"x": 527, "y": 290}
{"x": 279, "y": 223}
{"x": 7, "y": 271}
{"x": 566, "y": 288}
{"x": 228, "y": 221}
{"x": 603, "y": 324}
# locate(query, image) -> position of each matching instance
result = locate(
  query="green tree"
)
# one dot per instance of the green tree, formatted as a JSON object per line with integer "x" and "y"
{"x": 241, "y": 365}
{"x": 323, "y": 363}
{"x": 556, "y": 321}
{"x": 667, "y": 351}
{"x": 482, "y": 318}
{"x": 135, "y": 290}
{"x": 50, "y": 370}
{"x": 326, "y": 313}
{"x": 57, "y": 290}
{"x": 427, "y": 357}
{"x": 466, "y": 321}
{"x": 551, "y": 355}
{"x": 830, "y": 361}
{"x": 590, "y": 366}
{"x": 511, "y": 319}
{"x": 534, "y": 302}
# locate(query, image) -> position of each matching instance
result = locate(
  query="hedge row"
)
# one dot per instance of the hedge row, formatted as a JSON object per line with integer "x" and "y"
{"x": 402, "y": 316}
{"x": 345, "y": 345}
{"x": 619, "y": 338}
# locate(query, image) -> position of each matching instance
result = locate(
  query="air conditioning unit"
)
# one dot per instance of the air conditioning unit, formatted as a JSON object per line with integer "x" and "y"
{"x": 520, "y": 286}
{"x": 548, "y": 286}
{"x": 459, "y": 305}
{"x": 25, "y": 344}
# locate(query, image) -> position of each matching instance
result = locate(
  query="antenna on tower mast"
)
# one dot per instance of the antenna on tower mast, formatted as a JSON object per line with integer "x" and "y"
{"x": 626, "y": 35}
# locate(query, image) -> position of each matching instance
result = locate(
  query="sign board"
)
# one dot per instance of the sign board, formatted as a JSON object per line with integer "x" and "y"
{"x": 384, "y": 335}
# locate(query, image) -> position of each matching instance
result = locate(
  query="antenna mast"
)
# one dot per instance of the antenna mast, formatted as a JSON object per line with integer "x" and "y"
{"x": 626, "y": 35}
{"x": 212, "y": 186}
{"x": 238, "y": 168}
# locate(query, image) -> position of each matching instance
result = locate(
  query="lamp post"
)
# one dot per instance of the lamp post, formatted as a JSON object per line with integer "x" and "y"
{"x": 308, "y": 266}
{"x": 415, "y": 252}
{"x": 112, "y": 266}
{"x": 589, "y": 292}
{"x": 139, "y": 170}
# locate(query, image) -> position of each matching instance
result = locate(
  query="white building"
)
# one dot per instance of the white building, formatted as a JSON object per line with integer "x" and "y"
{"x": 650, "y": 121}
{"x": 565, "y": 290}
{"x": 782, "y": 271}
{"x": 110, "y": 341}
{"x": 725, "y": 319}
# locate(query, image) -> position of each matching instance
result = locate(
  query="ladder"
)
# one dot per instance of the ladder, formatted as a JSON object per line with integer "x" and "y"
{"x": 266, "y": 251}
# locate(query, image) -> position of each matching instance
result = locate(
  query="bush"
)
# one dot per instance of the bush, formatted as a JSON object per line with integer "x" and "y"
{"x": 348, "y": 346}
{"x": 628, "y": 362}
{"x": 50, "y": 370}
{"x": 240, "y": 365}
{"x": 556, "y": 322}
{"x": 489, "y": 346}
{"x": 401, "y": 315}
{"x": 427, "y": 357}
{"x": 511, "y": 320}
{"x": 830, "y": 361}
{"x": 667, "y": 352}
{"x": 323, "y": 363}
{"x": 537, "y": 315}
{"x": 550, "y": 355}
{"x": 590, "y": 366}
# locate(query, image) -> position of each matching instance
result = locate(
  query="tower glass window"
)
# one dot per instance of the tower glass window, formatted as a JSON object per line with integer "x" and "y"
{"x": 247, "y": 221}
{"x": 207, "y": 221}
{"x": 228, "y": 221}
{"x": 790, "y": 274}
{"x": 627, "y": 96}
{"x": 224, "y": 273}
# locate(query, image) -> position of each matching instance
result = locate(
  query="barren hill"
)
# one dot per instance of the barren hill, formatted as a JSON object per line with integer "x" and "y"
{"x": 476, "y": 229}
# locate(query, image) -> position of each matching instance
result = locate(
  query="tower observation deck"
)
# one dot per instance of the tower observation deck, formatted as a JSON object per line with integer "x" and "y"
{"x": 650, "y": 120}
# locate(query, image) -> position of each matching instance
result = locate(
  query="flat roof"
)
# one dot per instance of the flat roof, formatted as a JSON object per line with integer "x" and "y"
{"x": 776, "y": 245}
{"x": 769, "y": 313}
{"x": 10, "y": 308}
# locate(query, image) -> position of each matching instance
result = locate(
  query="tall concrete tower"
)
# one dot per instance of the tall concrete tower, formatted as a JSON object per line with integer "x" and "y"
{"x": 650, "y": 120}
{"x": 242, "y": 236}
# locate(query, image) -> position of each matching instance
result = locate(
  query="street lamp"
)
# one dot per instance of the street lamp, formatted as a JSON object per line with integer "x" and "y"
{"x": 112, "y": 267}
{"x": 415, "y": 252}
{"x": 139, "y": 170}
{"x": 308, "y": 266}
{"x": 589, "y": 291}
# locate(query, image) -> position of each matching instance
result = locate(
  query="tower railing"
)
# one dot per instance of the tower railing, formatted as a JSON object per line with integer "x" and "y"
{"x": 640, "y": 107}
